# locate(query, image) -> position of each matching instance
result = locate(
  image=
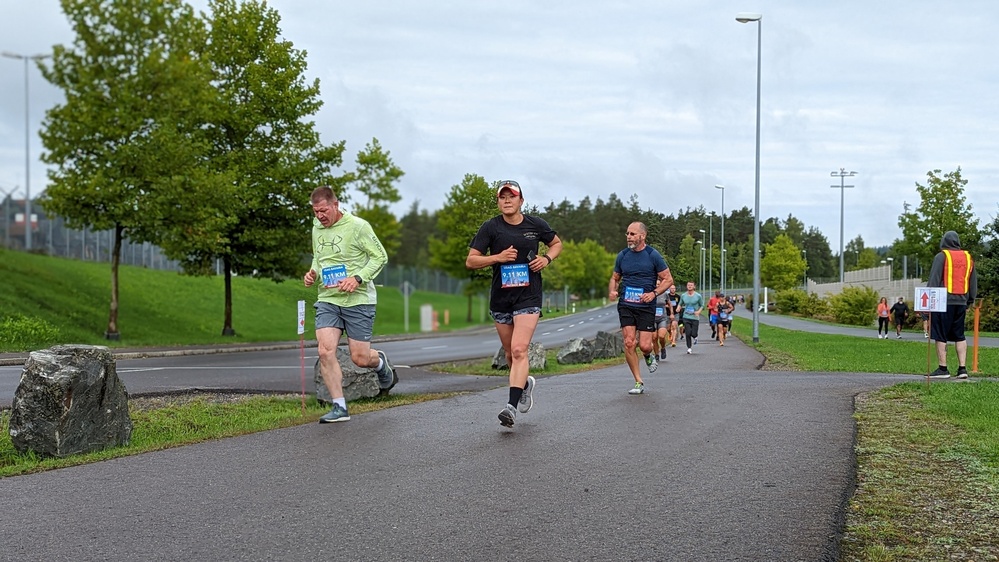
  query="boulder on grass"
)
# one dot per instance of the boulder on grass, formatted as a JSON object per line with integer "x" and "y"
{"x": 70, "y": 401}
{"x": 575, "y": 351}
{"x": 607, "y": 345}
{"x": 537, "y": 357}
{"x": 358, "y": 382}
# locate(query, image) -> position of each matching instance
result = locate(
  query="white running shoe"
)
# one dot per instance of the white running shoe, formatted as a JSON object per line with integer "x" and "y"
{"x": 526, "y": 399}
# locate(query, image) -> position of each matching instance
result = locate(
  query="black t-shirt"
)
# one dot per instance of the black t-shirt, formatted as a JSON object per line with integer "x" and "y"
{"x": 515, "y": 286}
{"x": 900, "y": 309}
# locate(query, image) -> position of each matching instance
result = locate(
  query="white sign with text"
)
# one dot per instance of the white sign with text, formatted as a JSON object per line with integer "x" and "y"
{"x": 931, "y": 299}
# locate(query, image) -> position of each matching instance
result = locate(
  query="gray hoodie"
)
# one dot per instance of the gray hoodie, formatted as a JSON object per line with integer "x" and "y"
{"x": 950, "y": 241}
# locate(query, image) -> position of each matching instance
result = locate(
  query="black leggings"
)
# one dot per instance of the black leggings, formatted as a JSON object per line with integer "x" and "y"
{"x": 690, "y": 330}
{"x": 882, "y": 321}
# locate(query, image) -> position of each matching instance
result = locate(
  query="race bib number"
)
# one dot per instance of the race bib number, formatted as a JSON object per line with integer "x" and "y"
{"x": 632, "y": 294}
{"x": 689, "y": 310}
{"x": 333, "y": 274}
{"x": 514, "y": 275}
{"x": 723, "y": 315}
{"x": 660, "y": 311}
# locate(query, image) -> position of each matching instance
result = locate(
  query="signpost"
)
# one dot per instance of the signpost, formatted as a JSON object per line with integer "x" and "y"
{"x": 930, "y": 299}
{"x": 301, "y": 346}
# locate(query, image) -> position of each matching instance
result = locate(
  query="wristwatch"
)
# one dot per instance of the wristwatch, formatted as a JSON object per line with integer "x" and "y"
{"x": 358, "y": 279}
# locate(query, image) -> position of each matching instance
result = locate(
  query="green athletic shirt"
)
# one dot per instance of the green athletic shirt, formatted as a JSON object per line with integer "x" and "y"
{"x": 692, "y": 302}
{"x": 349, "y": 242}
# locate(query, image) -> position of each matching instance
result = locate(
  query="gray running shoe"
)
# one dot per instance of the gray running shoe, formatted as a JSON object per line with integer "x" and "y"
{"x": 507, "y": 415}
{"x": 387, "y": 378}
{"x": 638, "y": 389}
{"x": 526, "y": 399}
{"x": 962, "y": 372}
{"x": 662, "y": 355}
{"x": 337, "y": 414}
{"x": 652, "y": 362}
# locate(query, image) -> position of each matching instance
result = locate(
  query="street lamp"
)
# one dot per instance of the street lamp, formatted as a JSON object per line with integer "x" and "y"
{"x": 27, "y": 144}
{"x": 890, "y": 264}
{"x": 842, "y": 173}
{"x": 804, "y": 276}
{"x": 702, "y": 267}
{"x": 722, "y": 188}
{"x": 746, "y": 17}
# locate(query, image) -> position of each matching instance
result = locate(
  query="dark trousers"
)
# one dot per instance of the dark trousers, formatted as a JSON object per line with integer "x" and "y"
{"x": 690, "y": 330}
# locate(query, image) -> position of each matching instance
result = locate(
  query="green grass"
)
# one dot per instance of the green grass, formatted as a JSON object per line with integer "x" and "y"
{"x": 927, "y": 473}
{"x": 192, "y": 421}
{"x": 810, "y": 351}
{"x": 70, "y": 301}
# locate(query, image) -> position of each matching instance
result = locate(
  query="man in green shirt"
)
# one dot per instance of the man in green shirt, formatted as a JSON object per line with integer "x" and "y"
{"x": 346, "y": 258}
{"x": 691, "y": 303}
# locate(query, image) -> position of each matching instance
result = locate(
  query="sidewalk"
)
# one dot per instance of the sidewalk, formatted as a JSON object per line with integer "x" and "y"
{"x": 717, "y": 461}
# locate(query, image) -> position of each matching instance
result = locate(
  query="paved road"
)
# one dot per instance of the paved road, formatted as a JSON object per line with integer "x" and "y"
{"x": 279, "y": 367}
{"x": 718, "y": 461}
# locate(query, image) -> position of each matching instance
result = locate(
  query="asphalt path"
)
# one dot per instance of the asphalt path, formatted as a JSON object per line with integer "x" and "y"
{"x": 280, "y": 367}
{"x": 717, "y": 461}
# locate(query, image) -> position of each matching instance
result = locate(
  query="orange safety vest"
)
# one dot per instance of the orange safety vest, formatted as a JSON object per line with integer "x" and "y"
{"x": 958, "y": 271}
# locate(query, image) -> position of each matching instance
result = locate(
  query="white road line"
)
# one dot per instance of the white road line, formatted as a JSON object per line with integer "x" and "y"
{"x": 434, "y": 347}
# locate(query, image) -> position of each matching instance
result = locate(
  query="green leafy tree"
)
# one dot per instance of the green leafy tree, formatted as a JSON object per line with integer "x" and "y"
{"x": 855, "y": 305}
{"x": 942, "y": 207}
{"x": 264, "y": 148}
{"x": 585, "y": 267}
{"x": 782, "y": 265}
{"x": 127, "y": 145}
{"x": 416, "y": 228}
{"x": 375, "y": 178}
{"x": 468, "y": 205}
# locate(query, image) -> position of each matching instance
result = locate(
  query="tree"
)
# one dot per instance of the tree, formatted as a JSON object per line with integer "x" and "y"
{"x": 942, "y": 207}
{"x": 126, "y": 146}
{"x": 585, "y": 267}
{"x": 468, "y": 205}
{"x": 782, "y": 266}
{"x": 375, "y": 178}
{"x": 264, "y": 149}
{"x": 416, "y": 228}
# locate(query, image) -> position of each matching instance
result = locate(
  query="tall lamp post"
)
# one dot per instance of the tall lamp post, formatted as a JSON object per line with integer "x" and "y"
{"x": 841, "y": 174}
{"x": 804, "y": 276}
{"x": 746, "y": 17}
{"x": 700, "y": 287}
{"x": 27, "y": 143}
{"x": 891, "y": 262}
{"x": 722, "y": 188}
{"x": 700, "y": 276}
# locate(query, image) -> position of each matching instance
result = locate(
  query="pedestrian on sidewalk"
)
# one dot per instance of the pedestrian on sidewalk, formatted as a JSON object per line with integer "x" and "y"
{"x": 883, "y": 313}
{"x": 346, "y": 258}
{"x": 642, "y": 273}
{"x": 953, "y": 269}
{"x": 674, "y": 319}
{"x": 691, "y": 303}
{"x": 725, "y": 309}
{"x": 664, "y": 319}
{"x": 509, "y": 243}
{"x": 900, "y": 311}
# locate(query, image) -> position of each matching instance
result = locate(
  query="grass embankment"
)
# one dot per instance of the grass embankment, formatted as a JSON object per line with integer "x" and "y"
{"x": 927, "y": 455}
{"x": 48, "y": 300}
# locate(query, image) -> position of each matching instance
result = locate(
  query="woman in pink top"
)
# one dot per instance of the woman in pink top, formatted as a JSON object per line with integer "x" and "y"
{"x": 883, "y": 317}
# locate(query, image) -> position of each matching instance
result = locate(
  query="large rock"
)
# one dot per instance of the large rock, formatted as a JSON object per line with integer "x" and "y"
{"x": 70, "y": 401}
{"x": 358, "y": 382}
{"x": 607, "y": 345}
{"x": 537, "y": 357}
{"x": 575, "y": 351}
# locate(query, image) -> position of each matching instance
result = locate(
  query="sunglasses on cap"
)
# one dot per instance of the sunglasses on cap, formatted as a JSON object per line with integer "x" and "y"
{"x": 509, "y": 184}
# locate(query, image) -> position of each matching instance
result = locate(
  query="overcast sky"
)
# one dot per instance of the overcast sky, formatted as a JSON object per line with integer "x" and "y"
{"x": 658, "y": 99}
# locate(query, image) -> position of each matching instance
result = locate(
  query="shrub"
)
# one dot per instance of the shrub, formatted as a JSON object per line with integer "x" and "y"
{"x": 23, "y": 333}
{"x": 792, "y": 301}
{"x": 856, "y": 306}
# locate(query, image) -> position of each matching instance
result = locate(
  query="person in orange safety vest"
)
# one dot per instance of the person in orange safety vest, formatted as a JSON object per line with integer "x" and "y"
{"x": 954, "y": 269}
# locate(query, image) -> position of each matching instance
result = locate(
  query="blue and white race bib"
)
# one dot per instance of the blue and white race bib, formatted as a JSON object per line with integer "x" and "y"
{"x": 633, "y": 294}
{"x": 660, "y": 311}
{"x": 689, "y": 310}
{"x": 514, "y": 275}
{"x": 333, "y": 274}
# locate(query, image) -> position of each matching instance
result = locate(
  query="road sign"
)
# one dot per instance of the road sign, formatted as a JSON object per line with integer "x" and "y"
{"x": 301, "y": 317}
{"x": 931, "y": 299}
